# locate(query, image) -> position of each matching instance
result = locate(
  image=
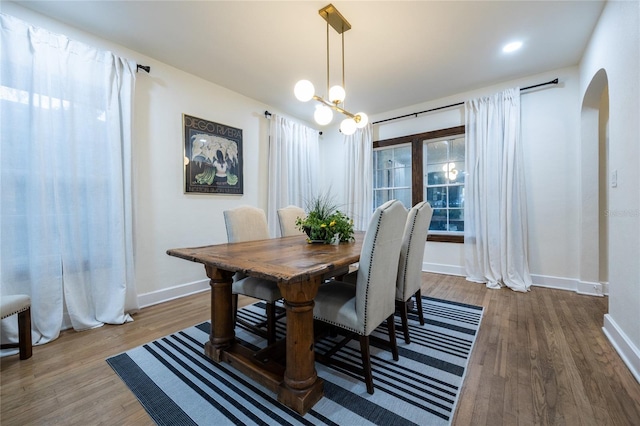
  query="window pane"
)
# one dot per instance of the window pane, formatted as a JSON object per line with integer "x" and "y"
{"x": 403, "y": 156}
{"x": 458, "y": 173}
{"x": 382, "y": 196}
{"x": 388, "y": 177}
{"x": 435, "y": 174}
{"x": 456, "y": 150}
{"x": 456, "y": 196}
{"x": 456, "y": 220}
{"x": 438, "y": 220}
{"x": 437, "y": 196}
{"x": 402, "y": 177}
{"x": 436, "y": 152}
{"x": 382, "y": 158}
{"x": 404, "y": 195}
{"x": 382, "y": 179}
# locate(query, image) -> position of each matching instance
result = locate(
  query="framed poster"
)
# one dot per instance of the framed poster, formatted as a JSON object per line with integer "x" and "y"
{"x": 212, "y": 157}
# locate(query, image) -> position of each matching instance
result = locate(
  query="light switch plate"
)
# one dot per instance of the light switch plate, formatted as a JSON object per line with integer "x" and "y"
{"x": 614, "y": 179}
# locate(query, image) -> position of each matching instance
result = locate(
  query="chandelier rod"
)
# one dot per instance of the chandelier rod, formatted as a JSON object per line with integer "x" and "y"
{"x": 343, "y": 86}
{"x": 327, "y": 92}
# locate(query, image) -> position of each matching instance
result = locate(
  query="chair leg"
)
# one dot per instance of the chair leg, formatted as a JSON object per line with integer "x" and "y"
{"x": 404, "y": 317}
{"x": 392, "y": 338}
{"x": 24, "y": 334}
{"x": 366, "y": 363}
{"x": 419, "y": 305}
{"x": 271, "y": 322}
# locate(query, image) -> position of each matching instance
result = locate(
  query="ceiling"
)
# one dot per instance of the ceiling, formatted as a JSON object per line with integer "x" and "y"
{"x": 397, "y": 53}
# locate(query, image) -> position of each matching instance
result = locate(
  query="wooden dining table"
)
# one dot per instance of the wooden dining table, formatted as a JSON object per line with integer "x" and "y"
{"x": 299, "y": 268}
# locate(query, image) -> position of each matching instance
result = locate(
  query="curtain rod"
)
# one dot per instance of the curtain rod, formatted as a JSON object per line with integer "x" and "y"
{"x": 146, "y": 68}
{"x": 415, "y": 114}
{"x": 267, "y": 115}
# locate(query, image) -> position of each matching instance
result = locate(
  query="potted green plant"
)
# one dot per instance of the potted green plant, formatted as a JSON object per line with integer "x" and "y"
{"x": 324, "y": 222}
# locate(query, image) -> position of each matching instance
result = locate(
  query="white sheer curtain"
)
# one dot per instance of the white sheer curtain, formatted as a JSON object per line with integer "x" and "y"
{"x": 293, "y": 166}
{"x": 65, "y": 181}
{"x": 495, "y": 214}
{"x": 359, "y": 176}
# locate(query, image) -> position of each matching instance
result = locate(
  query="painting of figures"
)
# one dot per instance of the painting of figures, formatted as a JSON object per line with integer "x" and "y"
{"x": 212, "y": 157}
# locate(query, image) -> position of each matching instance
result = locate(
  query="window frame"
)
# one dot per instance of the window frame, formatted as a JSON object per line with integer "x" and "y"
{"x": 417, "y": 175}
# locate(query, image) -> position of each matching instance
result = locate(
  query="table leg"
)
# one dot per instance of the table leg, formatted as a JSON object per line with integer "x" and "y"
{"x": 222, "y": 333}
{"x": 301, "y": 387}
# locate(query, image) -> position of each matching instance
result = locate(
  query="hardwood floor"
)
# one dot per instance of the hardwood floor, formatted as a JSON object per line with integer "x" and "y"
{"x": 540, "y": 358}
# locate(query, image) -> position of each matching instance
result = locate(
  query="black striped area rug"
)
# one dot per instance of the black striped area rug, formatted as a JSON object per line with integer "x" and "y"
{"x": 178, "y": 385}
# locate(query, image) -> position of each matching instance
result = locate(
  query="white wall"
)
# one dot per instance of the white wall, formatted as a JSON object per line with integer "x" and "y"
{"x": 615, "y": 47}
{"x": 165, "y": 216}
{"x": 332, "y": 167}
{"x": 550, "y": 136}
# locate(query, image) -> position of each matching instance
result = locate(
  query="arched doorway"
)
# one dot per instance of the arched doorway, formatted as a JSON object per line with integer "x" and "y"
{"x": 596, "y": 180}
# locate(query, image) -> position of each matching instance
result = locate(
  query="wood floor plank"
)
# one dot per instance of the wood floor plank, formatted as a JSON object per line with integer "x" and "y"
{"x": 540, "y": 358}
{"x": 540, "y": 377}
{"x": 524, "y": 407}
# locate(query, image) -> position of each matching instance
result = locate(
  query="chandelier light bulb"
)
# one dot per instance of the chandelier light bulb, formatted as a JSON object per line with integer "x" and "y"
{"x": 348, "y": 126}
{"x": 304, "y": 90}
{"x": 364, "y": 120}
{"x": 323, "y": 115}
{"x": 337, "y": 94}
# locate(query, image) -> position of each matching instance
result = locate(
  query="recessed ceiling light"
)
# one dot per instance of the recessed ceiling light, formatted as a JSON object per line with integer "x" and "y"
{"x": 512, "y": 47}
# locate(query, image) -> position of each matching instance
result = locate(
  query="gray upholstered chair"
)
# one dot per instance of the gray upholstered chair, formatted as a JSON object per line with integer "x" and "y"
{"x": 360, "y": 309}
{"x": 409, "y": 278}
{"x": 18, "y": 304}
{"x": 246, "y": 223}
{"x": 287, "y": 218}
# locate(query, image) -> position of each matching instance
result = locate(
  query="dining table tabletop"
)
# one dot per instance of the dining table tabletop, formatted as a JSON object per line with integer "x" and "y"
{"x": 299, "y": 268}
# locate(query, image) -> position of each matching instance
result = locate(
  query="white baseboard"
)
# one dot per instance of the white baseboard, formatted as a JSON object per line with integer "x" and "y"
{"x": 626, "y": 349}
{"x": 166, "y": 294}
{"x": 590, "y": 288}
{"x": 438, "y": 268}
{"x": 571, "y": 284}
{"x": 560, "y": 283}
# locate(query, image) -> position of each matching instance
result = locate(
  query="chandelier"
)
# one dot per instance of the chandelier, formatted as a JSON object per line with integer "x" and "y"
{"x": 305, "y": 91}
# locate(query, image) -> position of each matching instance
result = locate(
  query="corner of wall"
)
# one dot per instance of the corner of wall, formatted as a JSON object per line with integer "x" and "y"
{"x": 629, "y": 353}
